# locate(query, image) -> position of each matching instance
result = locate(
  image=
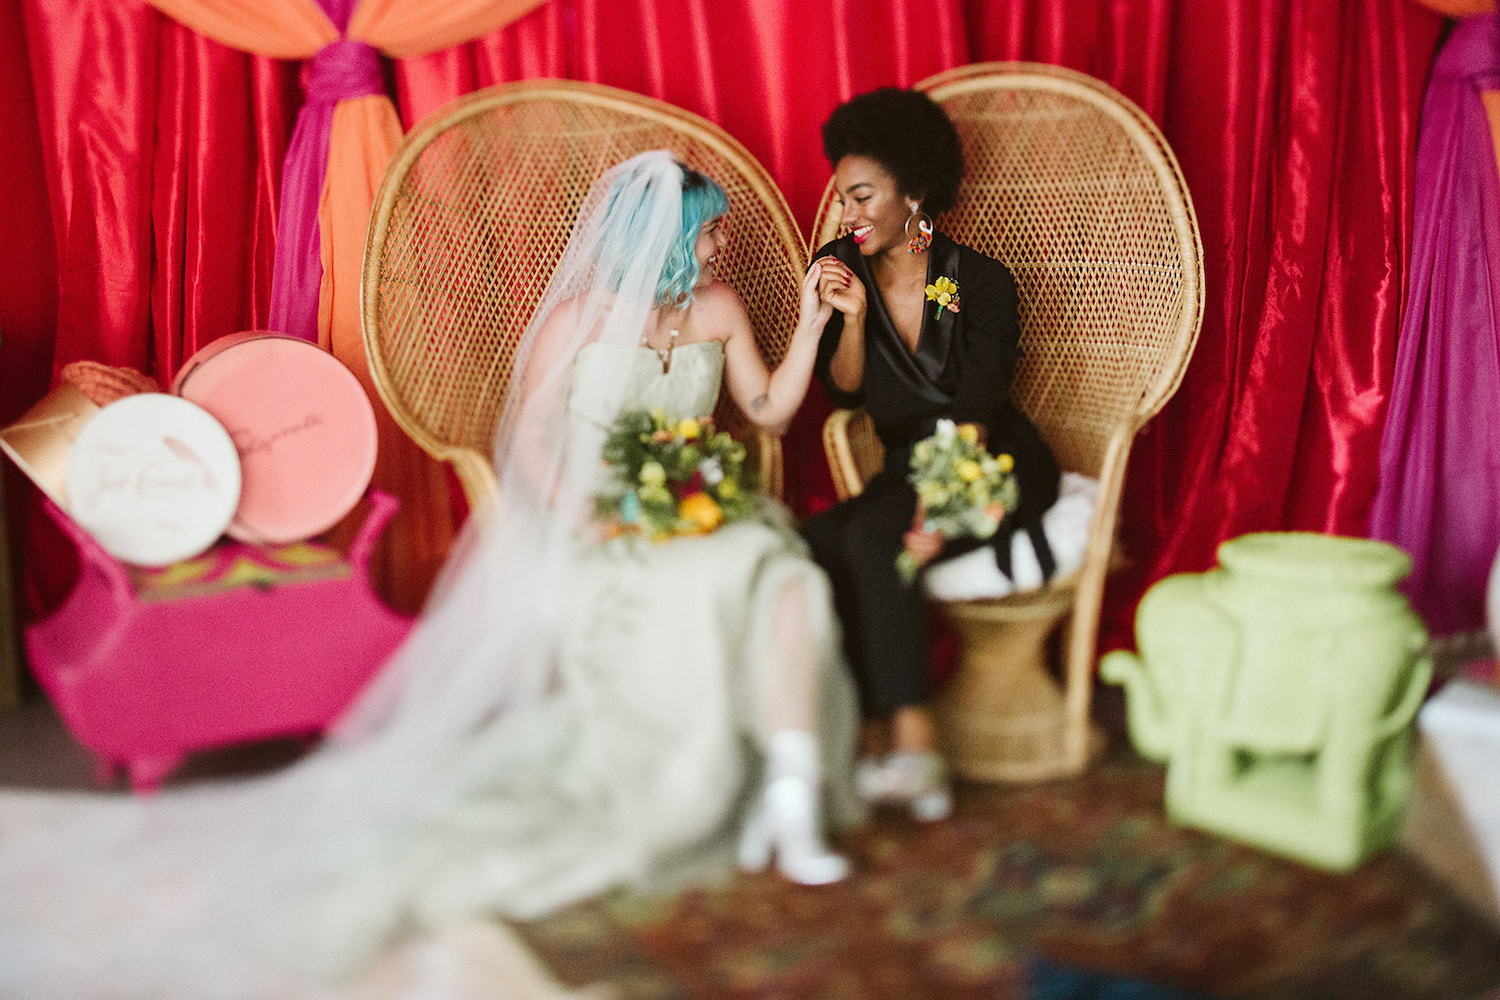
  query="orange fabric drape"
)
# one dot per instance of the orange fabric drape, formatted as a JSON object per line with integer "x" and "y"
{"x": 1458, "y": 8}
{"x": 281, "y": 29}
{"x": 365, "y": 132}
{"x": 407, "y": 28}
{"x": 370, "y": 133}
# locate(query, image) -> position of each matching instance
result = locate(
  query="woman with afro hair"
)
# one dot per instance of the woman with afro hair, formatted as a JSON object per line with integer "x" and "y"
{"x": 910, "y": 361}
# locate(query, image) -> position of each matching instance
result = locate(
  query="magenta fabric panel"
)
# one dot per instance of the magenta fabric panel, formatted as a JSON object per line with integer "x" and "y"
{"x": 1439, "y": 490}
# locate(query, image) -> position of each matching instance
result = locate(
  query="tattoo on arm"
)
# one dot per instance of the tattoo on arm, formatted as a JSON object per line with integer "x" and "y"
{"x": 759, "y": 402}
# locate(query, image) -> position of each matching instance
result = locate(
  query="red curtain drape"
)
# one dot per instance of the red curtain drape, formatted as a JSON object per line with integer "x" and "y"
{"x": 28, "y": 262}
{"x": 1294, "y": 121}
{"x": 1300, "y": 162}
{"x": 163, "y": 153}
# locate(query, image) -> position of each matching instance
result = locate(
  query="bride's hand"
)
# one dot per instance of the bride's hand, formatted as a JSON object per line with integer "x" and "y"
{"x": 838, "y": 287}
{"x": 812, "y": 302}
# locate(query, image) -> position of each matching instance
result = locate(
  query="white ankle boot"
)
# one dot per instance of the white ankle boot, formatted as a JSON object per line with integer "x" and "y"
{"x": 786, "y": 822}
{"x": 917, "y": 780}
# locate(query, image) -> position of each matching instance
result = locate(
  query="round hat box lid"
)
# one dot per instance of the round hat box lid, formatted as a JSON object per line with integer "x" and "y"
{"x": 153, "y": 478}
{"x": 303, "y": 425}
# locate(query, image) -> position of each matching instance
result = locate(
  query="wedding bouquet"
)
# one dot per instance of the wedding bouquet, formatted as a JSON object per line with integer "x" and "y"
{"x": 670, "y": 477}
{"x": 964, "y": 490}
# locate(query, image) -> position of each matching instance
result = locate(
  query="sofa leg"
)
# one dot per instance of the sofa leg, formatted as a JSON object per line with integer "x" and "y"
{"x": 147, "y": 773}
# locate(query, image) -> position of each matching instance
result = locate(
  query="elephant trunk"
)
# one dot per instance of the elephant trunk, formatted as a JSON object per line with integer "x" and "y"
{"x": 1150, "y": 729}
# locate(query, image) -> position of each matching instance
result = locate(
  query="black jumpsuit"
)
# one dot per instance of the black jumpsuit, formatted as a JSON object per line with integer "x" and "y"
{"x": 962, "y": 369}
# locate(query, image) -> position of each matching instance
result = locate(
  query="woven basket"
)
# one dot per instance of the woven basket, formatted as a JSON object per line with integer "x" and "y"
{"x": 1074, "y": 188}
{"x": 472, "y": 217}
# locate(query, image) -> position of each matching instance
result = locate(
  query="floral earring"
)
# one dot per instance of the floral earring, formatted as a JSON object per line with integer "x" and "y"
{"x": 920, "y": 242}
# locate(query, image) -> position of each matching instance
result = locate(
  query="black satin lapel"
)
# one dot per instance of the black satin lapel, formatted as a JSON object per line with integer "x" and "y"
{"x": 944, "y": 264}
{"x": 880, "y": 333}
{"x": 939, "y": 326}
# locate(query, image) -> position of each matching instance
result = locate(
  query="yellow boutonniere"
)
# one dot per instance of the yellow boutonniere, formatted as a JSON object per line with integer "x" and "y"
{"x": 943, "y": 291}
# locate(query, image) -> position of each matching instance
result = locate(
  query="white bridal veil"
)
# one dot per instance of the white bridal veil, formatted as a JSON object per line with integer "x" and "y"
{"x": 287, "y": 886}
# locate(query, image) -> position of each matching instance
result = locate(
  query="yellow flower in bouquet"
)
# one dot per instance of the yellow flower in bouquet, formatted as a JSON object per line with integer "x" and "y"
{"x": 965, "y": 491}
{"x": 701, "y": 511}
{"x": 668, "y": 477}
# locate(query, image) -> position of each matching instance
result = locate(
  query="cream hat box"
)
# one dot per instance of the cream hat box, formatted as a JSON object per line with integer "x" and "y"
{"x": 153, "y": 478}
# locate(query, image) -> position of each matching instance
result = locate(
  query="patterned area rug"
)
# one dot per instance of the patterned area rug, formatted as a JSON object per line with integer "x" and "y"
{"x": 1069, "y": 890}
{"x": 1076, "y": 890}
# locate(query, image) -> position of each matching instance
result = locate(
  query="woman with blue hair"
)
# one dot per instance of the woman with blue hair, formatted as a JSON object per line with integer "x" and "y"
{"x": 635, "y": 319}
{"x": 568, "y": 716}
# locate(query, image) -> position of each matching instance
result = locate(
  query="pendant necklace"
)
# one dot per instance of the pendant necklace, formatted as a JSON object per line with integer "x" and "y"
{"x": 664, "y": 353}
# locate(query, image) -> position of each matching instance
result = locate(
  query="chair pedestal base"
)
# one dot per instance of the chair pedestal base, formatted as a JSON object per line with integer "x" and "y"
{"x": 1002, "y": 717}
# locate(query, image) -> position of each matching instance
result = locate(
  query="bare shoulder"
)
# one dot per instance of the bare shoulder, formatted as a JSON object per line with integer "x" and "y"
{"x": 719, "y": 311}
{"x": 719, "y": 298}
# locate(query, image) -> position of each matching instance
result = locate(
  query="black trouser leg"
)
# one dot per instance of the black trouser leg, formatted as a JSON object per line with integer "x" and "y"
{"x": 885, "y": 632}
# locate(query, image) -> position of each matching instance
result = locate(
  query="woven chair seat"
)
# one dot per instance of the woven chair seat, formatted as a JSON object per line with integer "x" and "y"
{"x": 472, "y": 218}
{"x": 1074, "y": 188}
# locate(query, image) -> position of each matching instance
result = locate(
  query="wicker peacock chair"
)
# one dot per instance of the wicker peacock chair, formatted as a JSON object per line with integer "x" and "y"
{"x": 1074, "y": 188}
{"x": 471, "y": 219}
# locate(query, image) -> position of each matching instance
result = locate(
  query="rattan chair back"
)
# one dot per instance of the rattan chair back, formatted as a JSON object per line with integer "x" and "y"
{"x": 472, "y": 218}
{"x": 1075, "y": 189}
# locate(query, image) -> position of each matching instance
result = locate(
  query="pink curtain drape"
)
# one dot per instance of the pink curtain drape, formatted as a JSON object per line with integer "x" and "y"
{"x": 1294, "y": 121}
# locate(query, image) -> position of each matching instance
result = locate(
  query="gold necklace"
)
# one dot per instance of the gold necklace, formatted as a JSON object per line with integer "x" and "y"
{"x": 664, "y": 353}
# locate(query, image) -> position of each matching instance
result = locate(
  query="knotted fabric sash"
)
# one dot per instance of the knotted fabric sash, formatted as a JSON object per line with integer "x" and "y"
{"x": 340, "y": 71}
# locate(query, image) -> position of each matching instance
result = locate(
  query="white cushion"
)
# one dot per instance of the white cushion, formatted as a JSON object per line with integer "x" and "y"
{"x": 975, "y": 575}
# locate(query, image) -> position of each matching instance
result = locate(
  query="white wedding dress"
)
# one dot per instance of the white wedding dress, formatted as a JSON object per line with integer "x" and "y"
{"x": 631, "y": 766}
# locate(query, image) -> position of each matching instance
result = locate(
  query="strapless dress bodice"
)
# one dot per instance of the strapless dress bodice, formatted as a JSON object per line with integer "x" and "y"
{"x": 688, "y": 387}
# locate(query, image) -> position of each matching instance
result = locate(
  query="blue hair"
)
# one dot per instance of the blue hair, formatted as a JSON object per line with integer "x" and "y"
{"x": 702, "y": 201}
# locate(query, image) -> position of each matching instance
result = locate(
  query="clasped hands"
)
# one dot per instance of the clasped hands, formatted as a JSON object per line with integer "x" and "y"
{"x": 830, "y": 286}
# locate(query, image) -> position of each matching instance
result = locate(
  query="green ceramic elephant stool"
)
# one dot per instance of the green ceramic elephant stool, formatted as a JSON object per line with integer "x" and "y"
{"x": 1280, "y": 689}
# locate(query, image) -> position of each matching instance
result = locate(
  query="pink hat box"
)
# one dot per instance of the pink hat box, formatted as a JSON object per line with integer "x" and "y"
{"x": 153, "y": 478}
{"x": 303, "y": 426}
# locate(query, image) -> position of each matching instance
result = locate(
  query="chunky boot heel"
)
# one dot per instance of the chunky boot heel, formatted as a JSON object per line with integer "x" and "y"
{"x": 801, "y": 855}
{"x": 786, "y": 823}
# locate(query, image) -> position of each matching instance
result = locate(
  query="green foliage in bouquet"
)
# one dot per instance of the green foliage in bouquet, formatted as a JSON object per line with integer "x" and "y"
{"x": 965, "y": 491}
{"x": 670, "y": 477}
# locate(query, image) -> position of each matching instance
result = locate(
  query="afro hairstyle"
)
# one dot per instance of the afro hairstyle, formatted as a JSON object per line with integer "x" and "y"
{"x": 908, "y": 134}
